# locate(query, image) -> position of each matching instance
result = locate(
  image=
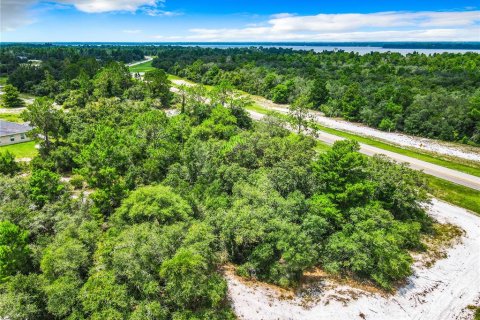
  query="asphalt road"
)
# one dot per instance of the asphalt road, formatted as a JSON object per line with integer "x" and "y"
{"x": 147, "y": 58}
{"x": 454, "y": 176}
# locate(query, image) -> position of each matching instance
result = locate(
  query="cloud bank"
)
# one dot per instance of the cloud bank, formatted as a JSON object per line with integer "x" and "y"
{"x": 380, "y": 26}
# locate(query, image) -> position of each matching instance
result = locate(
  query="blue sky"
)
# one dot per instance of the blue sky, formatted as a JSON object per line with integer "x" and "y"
{"x": 228, "y": 20}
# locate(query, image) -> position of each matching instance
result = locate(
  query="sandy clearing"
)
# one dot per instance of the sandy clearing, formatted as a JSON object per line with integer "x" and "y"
{"x": 425, "y": 144}
{"x": 440, "y": 292}
{"x": 180, "y": 82}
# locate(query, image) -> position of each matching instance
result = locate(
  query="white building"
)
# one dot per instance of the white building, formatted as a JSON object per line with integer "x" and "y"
{"x": 11, "y": 132}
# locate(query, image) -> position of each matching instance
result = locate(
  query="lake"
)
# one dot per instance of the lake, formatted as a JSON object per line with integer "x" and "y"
{"x": 360, "y": 50}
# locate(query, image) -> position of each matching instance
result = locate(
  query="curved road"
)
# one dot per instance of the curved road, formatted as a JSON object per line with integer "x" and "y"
{"x": 454, "y": 176}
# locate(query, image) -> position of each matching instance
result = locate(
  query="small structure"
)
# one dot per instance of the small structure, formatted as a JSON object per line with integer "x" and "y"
{"x": 11, "y": 132}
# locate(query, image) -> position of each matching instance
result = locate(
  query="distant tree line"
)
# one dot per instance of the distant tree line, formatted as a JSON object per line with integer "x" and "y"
{"x": 434, "y": 96}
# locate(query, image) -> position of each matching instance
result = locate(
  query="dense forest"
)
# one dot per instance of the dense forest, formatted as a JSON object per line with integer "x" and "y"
{"x": 434, "y": 96}
{"x": 128, "y": 213}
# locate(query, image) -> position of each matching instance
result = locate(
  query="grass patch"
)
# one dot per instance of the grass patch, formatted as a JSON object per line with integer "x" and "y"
{"x": 142, "y": 67}
{"x": 12, "y": 117}
{"x": 3, "y": 80}
{"x": 21, "y": 150}
{"x": 174, "y": 77}
{"x": 455, "y": 194}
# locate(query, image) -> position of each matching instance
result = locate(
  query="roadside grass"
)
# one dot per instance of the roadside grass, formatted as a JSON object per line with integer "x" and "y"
{"x": 142, "y": 67}
{"x": 12, "y": 117}
{"x": 3, "y": 80}
{"x": 455, "y": 194}
{"x": 21, "y": 150}
{"x": 321, "y": 147}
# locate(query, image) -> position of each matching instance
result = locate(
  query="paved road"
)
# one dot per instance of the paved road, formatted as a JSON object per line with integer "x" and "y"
{"x": 147, "y": 58}
{"x": 457, "y": 177}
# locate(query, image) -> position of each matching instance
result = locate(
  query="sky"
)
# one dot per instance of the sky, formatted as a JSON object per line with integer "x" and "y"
{"x": 241, "y": 21}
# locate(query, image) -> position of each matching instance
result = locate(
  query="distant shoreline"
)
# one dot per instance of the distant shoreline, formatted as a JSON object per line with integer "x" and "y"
{"x": 383, "y": 45}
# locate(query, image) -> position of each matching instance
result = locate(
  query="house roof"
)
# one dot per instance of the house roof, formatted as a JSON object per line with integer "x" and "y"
{"x": 8, "y": 128}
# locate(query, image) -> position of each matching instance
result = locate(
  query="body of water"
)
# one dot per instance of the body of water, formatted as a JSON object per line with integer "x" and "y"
{"x": 360, "y": 50}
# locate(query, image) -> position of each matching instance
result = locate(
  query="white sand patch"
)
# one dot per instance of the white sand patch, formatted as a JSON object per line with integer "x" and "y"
{"x": 440, "y": 292}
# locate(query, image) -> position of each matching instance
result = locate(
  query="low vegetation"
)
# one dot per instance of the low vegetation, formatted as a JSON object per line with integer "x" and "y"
{"x": 142, "y": 67}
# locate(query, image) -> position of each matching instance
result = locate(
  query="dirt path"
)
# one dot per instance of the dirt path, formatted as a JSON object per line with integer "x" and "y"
{"x": 441, "y": 292}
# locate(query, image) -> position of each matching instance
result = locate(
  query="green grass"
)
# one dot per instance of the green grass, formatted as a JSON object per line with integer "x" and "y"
{"x": 3, "y": 80}
{"x": 12, "y": 117}
{"x": 21, "y": 150}
{"x": 142, "y": 67}
{"x": 174, "y": 77}
{"x": 455, "y": 194}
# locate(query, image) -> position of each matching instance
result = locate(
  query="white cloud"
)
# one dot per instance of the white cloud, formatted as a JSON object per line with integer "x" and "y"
{"x": 353, "y": 21}
{"x": 16, "y": 13}
{"x": 98, "y": 6}
{"x": 161, "y": 13}
{"x": 381, "y": 26}
{"x": 167, "y": 38}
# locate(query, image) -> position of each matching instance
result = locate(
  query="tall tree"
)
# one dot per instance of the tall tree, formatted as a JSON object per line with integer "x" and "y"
{"x": 45, "y": 120}
{"x": 11, "y": 97}
{"x": 112, "y": 81}
{"x": 159, "y": 86}
{"x": 298, "y": 110}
